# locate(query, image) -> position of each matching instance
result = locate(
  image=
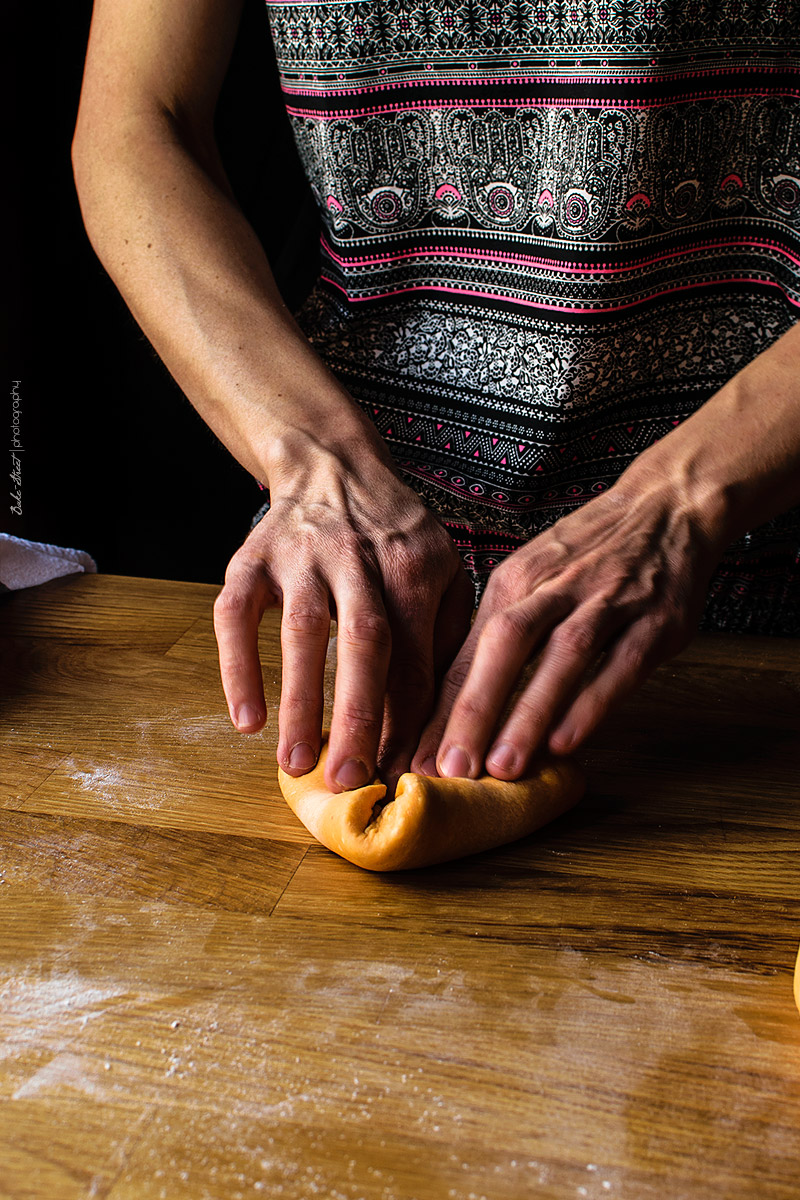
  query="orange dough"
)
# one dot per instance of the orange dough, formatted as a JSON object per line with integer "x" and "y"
{"x": 430, "y": 820}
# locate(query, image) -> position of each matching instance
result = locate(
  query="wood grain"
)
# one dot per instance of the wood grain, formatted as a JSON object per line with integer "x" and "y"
{"x": 196, "y": 1000}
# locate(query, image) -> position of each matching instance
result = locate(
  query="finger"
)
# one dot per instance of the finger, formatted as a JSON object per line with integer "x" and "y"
{"x": 628, "y": 663}
{"x": 238, "y": 610}
{"x": 305, "y": 627}
{"x": 506, "y": 641}
{"x": 572, "y": 649}
{"x": 409, "y": 691}
{"x": 429, "y": 757}
{"x": 424, "y": 761}
{"x": 364, "y": 643}
{"x": 450, "y": 631}
{"x": 453, "y": 622}
{"x": 426, "y": 635}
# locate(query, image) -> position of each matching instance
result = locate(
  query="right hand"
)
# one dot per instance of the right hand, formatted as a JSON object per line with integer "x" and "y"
{"x": 344, "y": 537}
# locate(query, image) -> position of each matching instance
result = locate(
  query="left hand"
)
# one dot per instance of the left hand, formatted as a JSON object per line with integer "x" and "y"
{"x": 619, "y": 585}
{"x": 606, "y": 594}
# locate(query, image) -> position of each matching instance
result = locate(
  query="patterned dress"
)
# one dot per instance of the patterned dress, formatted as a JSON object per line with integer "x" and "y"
{"x": 551, "y": 230}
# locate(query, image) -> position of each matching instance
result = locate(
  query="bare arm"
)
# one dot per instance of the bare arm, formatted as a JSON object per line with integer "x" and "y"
{"x": 344, "y": 534}
{"x": 161, "y": 216}
{"x": 619, "y": 585}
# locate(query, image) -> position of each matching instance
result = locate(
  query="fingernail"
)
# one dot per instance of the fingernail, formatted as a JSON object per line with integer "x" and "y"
{"x": 352, "y": 774}
{"x": 302, "y": 757}
{"x": 503, "y": 756}
{"x": 429, "y": 767}
{"x": 563, "y": 741}
{"x": 455, "y": 763}
{"x": 247, "y": 716}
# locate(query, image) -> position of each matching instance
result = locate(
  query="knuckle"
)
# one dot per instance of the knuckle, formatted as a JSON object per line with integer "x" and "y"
{"x": 511, "y": 626}
{"x": 508, "y": 582}
{"x": 359, "y": 720}
{"x": 498, "y": 592}
{"x": 530, "y": 718}
{"x": 408, "y": 559}
{"x": 456, "y": 677}
{"x": 299, "y": 698}
{"x": 414, "y": 573}
{"x": 637, "y": 659}
{"x": 575, "y": 639}
{"x": 469, "y": 710}
{"x": 301, "y": 620}
{"x": 245, "y": 580}
{"x": 366, "y": 629}
{"x": 233, "y": 602}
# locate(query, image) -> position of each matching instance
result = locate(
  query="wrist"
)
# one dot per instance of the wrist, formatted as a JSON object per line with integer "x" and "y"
{"x": 339, "y": 444}
{"x": 735, "y": 462}
{"x": 675, "y": 474}
{"x": 275, "y": 404}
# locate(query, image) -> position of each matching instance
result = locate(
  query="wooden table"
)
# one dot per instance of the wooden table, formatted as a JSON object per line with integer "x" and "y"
{"x": 198, "y": 1001}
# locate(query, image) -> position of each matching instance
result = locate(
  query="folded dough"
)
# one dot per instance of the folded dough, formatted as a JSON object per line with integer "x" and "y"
{"x": 430, "y": 820}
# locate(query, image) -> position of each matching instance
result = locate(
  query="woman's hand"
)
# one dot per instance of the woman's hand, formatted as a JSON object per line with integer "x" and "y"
{"x": 344, "y": 534}
{"x": 344, "y": 538}
{"x": 603, "y": 596}
{"x": 619, "y": 585}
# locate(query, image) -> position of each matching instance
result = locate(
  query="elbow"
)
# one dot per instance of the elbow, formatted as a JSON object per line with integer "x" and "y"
{"x": 95, "y": 155}
{"x": 86, "y": 161}
{"x": 100, "y": 143}
{"x": 96, "y": 181}
{"x": 81, "y": 157}
{"x": 77, "y": 157}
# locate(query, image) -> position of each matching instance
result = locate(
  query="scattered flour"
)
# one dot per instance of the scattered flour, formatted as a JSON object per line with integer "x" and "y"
{"x": 99, "y": 780}
{"x": 64, "y": 1071}
{"x": 35, "y": 1002}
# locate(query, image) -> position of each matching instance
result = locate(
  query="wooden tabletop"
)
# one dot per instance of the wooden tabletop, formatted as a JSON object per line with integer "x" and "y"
{"x": 196, "y": 1000}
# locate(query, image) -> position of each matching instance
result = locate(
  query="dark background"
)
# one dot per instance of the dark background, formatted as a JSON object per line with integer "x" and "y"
{"x": 116, "y": 461}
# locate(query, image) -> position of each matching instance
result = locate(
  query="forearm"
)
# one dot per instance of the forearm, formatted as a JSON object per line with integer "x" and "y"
{"x": 164, "y": 224}
{"x": 735, "y": 463}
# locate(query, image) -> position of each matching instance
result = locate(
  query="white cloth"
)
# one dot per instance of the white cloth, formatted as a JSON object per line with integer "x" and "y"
{"x": 24, "y": 564}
